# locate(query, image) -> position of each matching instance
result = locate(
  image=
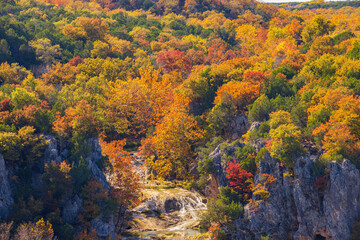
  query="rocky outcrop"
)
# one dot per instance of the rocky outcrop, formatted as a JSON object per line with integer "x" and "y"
{"x": 220, "y": 165}
{"x": 39, "y": 70}
{"x": 254, "y": 126}
{"x": 51, "y": 152}
{"x": 170, "y": 200}
{"x": 212, "y": 188}
{"x": 239, "y": 126}
{"x": 342, "y": 199}
{"x": 5, "y": 191}
{"x": 298, "y": 210}
{"x": 92, "y": 158}
{"x": 104, "y": 227}
{"x": 72, "y": 209}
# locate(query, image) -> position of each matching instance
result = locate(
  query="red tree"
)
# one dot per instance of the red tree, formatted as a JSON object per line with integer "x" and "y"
{"x": 174, "y": 61}
{"x": 76, "y": 61}
{"x": 239, "y": 179}
{"x": 254, "y": 77}
{"x": 5, "y": 105}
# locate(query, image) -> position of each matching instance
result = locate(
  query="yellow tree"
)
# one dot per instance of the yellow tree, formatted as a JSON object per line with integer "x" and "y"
{"x": 285, "y": 143}
{"x": 170, "y": 150}
{"x": 39, "y": 230}
{"x": 248, "y": 35}
{"x": 318, "y": 26}
{"x": 100, "y": 50}
{"x": 86, "y": 28}
{"x": 137, "y": 104}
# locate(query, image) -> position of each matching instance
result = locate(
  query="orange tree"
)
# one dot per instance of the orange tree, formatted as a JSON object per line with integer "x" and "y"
{"x": 170, "y": 149}
{"x": 125, "y": 186}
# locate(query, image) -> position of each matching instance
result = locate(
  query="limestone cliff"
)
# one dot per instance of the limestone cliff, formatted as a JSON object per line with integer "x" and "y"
{"x": 298, "y": 210}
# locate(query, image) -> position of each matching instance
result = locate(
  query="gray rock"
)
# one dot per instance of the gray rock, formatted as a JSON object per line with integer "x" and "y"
{"x": 275, "y": 217}
{"x": 239, "y": 125}
{"x": 51, "y": 153}
{"x": 93, "y": 157}
{"x": 6, "y": 199}
{"x": 72, "y": 209}
{"x": 259, "y": 144}
{"x": 104, "y": 228}
{"x": 296, "y": 210}
{"x": 342, "y": 199}
{"x": 170, "y": 201}
{"x": 254, "y": 125}
{"x": 219, "y": 164}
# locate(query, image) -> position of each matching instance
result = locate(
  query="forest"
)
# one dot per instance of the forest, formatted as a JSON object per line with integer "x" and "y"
{"x": 166, "y": 80}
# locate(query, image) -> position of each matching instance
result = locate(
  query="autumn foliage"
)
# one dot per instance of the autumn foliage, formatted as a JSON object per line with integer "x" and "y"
{"x": 170, "y": 81}
{"x": 174, "y": 61}
{"x": 124, "y": 179}
{"x": 170, "y": 147}
{"x": 239, "y": 179}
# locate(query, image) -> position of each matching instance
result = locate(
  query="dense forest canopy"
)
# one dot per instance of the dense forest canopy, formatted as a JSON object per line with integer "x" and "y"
{"x": 168, "y": 78}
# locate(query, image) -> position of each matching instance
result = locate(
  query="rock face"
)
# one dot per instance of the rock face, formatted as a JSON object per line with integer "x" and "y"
{"x": 219, "y": 165}
{"x": 92, "y": 158}
{"x": 72, "y": 208}
{"x": 170, "y": 200}
{"x": 298, "y": 210}
{"x": 342, "y": 199}
{"x": 5, "y": 192}
{"x": 239, "y": 125}
{"x": 104, "y": 227}
{"x": 51, "y": 153}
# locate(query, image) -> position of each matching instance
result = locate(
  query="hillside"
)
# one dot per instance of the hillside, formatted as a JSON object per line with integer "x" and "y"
{"x": 251, "y": 109}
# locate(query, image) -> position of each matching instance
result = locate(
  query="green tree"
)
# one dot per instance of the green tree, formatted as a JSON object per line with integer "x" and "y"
{"x": 21, "y": 98}
{"x": 24, "y": 146}
{"x": 5, "y": 52}
{"x": 260, "y": 109}
{"x": 45, "y": 52}
{"x": 278, "y": 118}
{"x": 318, "y": 26}
{"x": 286, "y": 143}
